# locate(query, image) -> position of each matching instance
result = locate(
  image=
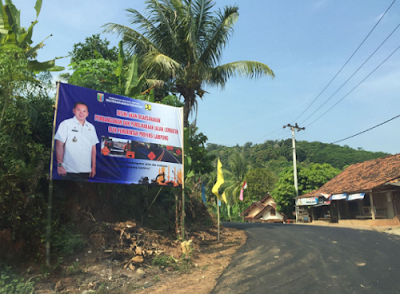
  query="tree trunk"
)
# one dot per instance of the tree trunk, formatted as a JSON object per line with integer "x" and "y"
{"x": 186, "y": 112}
{"x": 176, "y": 215}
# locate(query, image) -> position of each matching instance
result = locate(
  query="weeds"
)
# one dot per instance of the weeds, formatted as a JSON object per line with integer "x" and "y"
{"x": 10, "y": 282}
{"x": 74, "y": 269}
{"x": 66, "y": 242}
{"x": 168, "y": 261}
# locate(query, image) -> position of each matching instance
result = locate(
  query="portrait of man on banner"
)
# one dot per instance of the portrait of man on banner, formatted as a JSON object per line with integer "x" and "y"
{"x": 75, "y": 144}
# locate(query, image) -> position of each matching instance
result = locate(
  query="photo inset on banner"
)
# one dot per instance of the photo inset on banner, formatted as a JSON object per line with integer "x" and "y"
{"x": 116, "y": 147}
{"x": 75, "y": 144}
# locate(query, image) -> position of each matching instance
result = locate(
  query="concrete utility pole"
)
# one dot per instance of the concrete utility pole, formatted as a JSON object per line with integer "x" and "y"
{"x": 293, "y": 128}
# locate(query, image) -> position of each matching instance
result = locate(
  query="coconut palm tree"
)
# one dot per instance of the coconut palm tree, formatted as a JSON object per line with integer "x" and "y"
{"x": 181, "y": 42}
{"x": 239, "y": 167}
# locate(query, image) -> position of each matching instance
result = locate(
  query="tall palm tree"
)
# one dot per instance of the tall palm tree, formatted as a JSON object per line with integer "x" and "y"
{"x": 239, "y": 167}
{"x": 181, "y": 42}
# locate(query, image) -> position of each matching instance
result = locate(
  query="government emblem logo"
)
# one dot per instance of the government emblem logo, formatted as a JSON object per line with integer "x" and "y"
{"x": 147, "y": 107}
{"x": 100, "y": 97}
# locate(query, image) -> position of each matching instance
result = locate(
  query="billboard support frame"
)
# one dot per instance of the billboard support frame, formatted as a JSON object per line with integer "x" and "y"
{"x": 50, "y": 198}
{"x": 183, "y": 174}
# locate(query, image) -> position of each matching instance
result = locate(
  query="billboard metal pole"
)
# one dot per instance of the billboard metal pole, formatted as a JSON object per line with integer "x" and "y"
{"x": 50, "y": 200}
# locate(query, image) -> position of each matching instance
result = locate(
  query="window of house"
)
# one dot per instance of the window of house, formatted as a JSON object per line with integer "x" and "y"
{"x": 272, "y": 212}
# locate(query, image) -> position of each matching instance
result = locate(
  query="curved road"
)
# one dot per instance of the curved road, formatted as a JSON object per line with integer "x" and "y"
{"x": 279, "y": 258}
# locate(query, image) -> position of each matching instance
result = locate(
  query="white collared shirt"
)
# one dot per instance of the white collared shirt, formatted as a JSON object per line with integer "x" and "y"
{"x": 78, "y": 141}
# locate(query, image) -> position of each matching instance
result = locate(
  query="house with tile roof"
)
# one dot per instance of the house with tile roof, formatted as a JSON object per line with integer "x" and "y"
{"x": 263, "y": 211}
{"x": 368, "y": 191}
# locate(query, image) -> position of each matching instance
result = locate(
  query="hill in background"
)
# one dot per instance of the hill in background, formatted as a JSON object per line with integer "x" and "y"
{"x": 276, "y": 155}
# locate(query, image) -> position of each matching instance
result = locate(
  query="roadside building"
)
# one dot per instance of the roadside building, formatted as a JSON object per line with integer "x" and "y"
{"x": 364, "y": 193}
{"x": 263, "y": 211}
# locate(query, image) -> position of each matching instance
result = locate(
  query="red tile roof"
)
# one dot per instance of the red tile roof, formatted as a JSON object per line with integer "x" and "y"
{"x": 362, "y": 176}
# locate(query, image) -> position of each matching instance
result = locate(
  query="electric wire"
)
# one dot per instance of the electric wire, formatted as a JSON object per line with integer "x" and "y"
{"x": 355, "y": 86}
{"x": 367, "y": 129}
{"x": 268, "y": 134}
{"x": 384, "y": 41}
{"x": 382, "y": 16}
{"x": 345, "y": 62}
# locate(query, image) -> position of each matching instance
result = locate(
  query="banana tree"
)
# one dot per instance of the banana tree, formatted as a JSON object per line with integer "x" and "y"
{"x": 11, "y": 33}
{"x": 16, "y": 43}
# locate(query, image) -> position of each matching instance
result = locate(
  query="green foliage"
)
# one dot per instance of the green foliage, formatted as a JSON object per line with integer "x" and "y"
{"x": 66, "y": 241}
{"x": 172, "y": 100}
{"x": 96, "y": 74}
{"x": 309, "y": 179}
{"x": 201, "y": 161}
{"x": 93, "y": 48}
{"x": 238, "y": 168}
{"x": 25, "y": 134}
{"x": 95, "y": 66}
{"x": 168, "y": 261}
{"x": 10, "y": 282}
{"x": 260, "y": 181}
{"x": 74, "y": 269}
{"x": 181, "y": 43}
{"x": 11, "y": 33}
{"x": 277, "y": 155}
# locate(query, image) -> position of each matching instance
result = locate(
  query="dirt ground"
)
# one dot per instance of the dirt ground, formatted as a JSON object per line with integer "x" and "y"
{"x": 123, "y": 263}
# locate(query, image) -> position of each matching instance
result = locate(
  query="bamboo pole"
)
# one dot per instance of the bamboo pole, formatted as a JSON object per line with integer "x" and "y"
{"x": 183, "y": 175}
{"x": 218, "y": 217}
{"x": 50, "y": 199}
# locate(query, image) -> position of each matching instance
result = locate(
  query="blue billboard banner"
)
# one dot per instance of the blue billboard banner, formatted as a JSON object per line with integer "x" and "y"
{"x": 107, "y": 138}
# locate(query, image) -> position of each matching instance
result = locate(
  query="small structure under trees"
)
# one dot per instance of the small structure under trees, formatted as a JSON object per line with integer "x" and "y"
{"x": 366, "y": 192}
{"x": 263, "y": 211}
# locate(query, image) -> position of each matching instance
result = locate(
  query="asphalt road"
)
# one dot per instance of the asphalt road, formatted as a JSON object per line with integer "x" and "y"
{"x": 284, "y": 258}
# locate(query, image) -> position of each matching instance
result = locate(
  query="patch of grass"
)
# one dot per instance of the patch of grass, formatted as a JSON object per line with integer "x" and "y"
{"x": 66, "y": 241}
{"x": 74, "y": 269}
{"x": 10, "y": 282}
{"x": 182, "y": 264}
{"x": 165, "y": 261}
{"x": 156, "y": 278}
{"x": 185, "y": 265}
{"x": 205, "y": 267}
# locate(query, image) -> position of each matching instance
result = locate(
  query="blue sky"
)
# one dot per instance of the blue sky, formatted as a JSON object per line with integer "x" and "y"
{"x": 304, "y": 42}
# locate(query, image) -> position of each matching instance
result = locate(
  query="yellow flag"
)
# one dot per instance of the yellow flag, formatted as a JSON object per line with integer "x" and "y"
{"x": 223, "y": 196}
{"x": 220, "y": 179}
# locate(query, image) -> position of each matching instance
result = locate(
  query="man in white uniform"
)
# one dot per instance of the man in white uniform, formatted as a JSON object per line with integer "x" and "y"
{"x": 76, "y": 141}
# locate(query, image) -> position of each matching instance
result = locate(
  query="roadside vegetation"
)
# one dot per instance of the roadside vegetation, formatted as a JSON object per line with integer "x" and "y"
{"x": 191, "y": 37}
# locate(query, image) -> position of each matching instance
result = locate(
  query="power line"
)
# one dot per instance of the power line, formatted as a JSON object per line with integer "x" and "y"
{"x": 269, "y": 134}
{"x": 384, "y": 41}
{"x": 355, "y": 86}
{"x": 345, "y": 63}
{"x": 367, "y": 129}
{"x": 275, "y": 131}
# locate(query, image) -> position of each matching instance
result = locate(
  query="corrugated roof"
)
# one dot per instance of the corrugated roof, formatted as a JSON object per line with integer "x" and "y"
{"x": 362, "y": 176}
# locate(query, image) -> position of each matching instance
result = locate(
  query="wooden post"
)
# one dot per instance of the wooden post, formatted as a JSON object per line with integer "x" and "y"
{"x": 347, "y": 209}
{"x": 218, "y": 218}
{"x": 183, "y": 214}
{"x": 371, "y": 200}
{"x": 183, "y": 175}
{"x": 50, "y": 199}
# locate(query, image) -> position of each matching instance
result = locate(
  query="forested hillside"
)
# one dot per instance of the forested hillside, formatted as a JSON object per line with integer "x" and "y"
{"x": 268, "y": 168}
{"x": 276, "y": 155}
